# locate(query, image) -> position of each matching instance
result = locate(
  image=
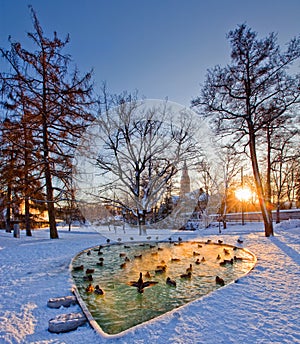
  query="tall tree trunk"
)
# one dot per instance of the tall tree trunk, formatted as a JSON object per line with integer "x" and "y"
{"x": 27, "y": 217}
{"x": 50, "y": 203}
{"x": 8, "y": 211}
{"x": 268, "y": 177}
{"x": 26, "y": 179}
{"x": 224, "y": 212}
{"x": 259, "y": 188}
{"x": 142, "y": 222}
{"x": 278, "y": 212}
{"x": 46, "y": 156}
{"x": 48, "y": 178}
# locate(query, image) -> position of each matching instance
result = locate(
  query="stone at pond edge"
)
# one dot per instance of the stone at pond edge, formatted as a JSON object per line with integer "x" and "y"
{"x": 65, "y": 301}
{"x": 66, "y": 322}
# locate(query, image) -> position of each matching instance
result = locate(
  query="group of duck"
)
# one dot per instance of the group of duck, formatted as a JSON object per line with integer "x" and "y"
{"x": 89, "y": 278}
{"x": 140, "y": 284}
{"x": 188, "y": 273}
{"x": 96, "y": 290}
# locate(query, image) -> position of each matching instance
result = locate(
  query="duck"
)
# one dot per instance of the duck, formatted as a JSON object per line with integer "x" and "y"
{"x": 78, "y": 268}
{"x": 88, "y": 278}
{"x": 98, "y": 290}
{"x": 100, "y": 263}
{"x": 140, "y": 284}
{"x": 127, "y": 259}
{"x": 89, "y": 271}
{"x": 220, "y": 281}
{"x": 90, "y": 288}
{"x": 203, "y": 259}
{"x": 220, "y": 241}
{"x": 208, "y": 241}
{"x": 226, "y": 251}
{"x": 160, "y": 269}
{"x": 122, "y": 254}
{"x": 189, "y": 269}
{"x": 187, "y": 275}
{"x": 126, "y": 246}
{"x": 237, "y": 258}
{"x": 173, "y": 260}
{"x": 138, "y": 256}
{"x": 89, "y": 252}
{"x": 100, "y": 253}
{"x": 171, "y": 282}
{"x": 197, "y": 261}
{"x": 218, "y": 257}
{"x": 199, "y": 246}
{"x": 148, "y": 274}
{"x": 226, "y": 261}
{"x": 123, "y": 266}
{"x": 196, "y": 253}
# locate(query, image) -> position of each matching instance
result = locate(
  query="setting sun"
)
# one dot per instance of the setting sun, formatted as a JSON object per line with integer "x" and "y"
{"x": 243, "y": 194}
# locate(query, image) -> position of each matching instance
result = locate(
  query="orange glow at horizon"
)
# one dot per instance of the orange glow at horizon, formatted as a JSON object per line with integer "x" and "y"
{"x": 243, "y": 194}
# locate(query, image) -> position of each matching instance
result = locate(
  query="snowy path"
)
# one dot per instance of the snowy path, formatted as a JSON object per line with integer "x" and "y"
{"x": 262, "y": 307}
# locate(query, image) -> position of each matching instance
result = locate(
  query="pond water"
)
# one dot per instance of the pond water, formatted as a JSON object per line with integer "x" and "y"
{"x": 115, "y": 266}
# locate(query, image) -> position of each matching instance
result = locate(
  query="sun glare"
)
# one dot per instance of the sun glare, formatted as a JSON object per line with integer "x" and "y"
{"x": 243, "y": 194}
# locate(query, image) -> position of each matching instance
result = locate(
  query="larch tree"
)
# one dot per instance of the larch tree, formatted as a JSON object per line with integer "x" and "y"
{"x": 245, "y": 97}
{"x": 58, "y": 100}
{"x": 18, "y": 133}
{"x": 7, "y": 171}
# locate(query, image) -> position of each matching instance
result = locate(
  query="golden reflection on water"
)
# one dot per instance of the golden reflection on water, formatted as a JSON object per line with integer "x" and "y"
{"x": 123, "y": 307}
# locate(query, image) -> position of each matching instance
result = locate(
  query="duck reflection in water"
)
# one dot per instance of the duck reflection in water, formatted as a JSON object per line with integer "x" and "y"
{"x": 140, "y": 284}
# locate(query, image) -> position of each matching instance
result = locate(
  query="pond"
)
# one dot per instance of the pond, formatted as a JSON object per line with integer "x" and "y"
{"x": 115, "y": 267}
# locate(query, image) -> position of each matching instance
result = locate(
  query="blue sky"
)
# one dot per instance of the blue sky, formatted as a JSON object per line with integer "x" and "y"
{"x": 162, "y": 48}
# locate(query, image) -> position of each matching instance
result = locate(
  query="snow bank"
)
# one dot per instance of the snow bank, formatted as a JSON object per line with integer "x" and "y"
{"x": 262, "y": 307}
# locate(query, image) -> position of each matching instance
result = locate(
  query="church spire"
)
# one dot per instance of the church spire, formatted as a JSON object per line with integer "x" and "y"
{"x": 185, "y": 183}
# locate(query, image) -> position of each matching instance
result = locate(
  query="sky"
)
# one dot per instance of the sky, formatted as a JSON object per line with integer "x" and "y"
{"x": 161, "y": 48}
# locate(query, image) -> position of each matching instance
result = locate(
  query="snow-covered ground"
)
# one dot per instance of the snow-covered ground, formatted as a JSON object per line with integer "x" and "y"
{"x": 262, "y": 307}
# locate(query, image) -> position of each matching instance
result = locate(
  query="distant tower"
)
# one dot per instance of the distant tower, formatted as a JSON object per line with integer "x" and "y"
{"x": 185, "y": 183}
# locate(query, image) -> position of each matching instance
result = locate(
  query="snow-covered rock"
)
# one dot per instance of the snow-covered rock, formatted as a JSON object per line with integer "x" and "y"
{"x": 66, "y": 322}
{"x": 65, "y": 301}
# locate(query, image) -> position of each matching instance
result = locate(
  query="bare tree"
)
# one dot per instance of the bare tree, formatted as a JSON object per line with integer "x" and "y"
{"x": 284, "y": 153}
{"x": 58, "y": 101}
{"x": 231, "y": 163}
{"x": 243, "y": 98}
{"x": 138, "y": 148}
